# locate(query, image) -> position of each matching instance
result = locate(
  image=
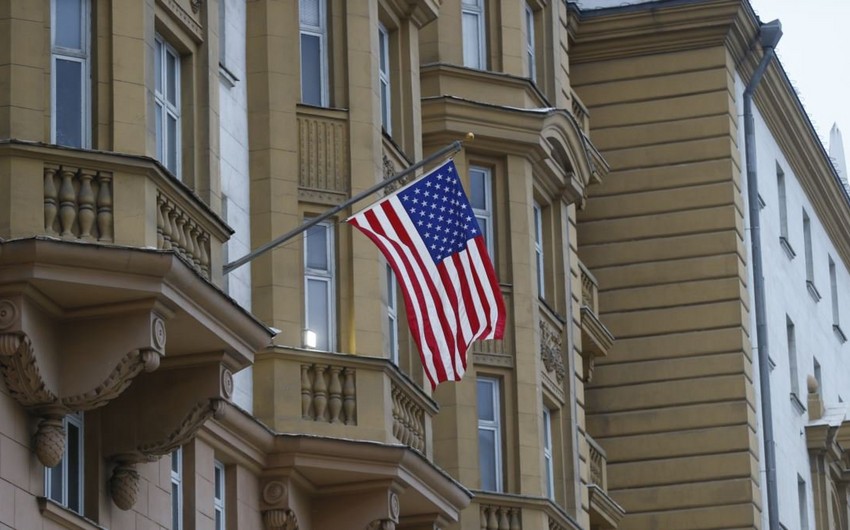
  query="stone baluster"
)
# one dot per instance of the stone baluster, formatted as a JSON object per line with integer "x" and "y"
{"x": 104, "y": 206}
{"x": 306, "y": 392}
{"x": 504, "y": 522}
{"x": 396, "y": 414}
{"x": 167, "y": 233}
{"x": 177, "y": 222}
{"x": 335, "y": 393}
{"x": 349, "y": 403}
{"x": 85, "y": 201}
{"x": 50, "y": 199}
{"x": 67, "y": 202}
{"x": 320, "y": 391}
{"x": 516, "y": 523}
{"x": 194, "y": 247}
{"x": 492, "y": 519}
{"x": 205, "y": 254}
{"x": 160, "y": 223}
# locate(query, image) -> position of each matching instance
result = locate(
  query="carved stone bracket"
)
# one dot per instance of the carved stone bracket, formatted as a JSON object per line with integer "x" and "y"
{"x": 213, "y": 408}
{"x": 280, "y": 520}
{"x": 124, "y": 485}
{"x": 381, "y": 524}
{"x": 551, "y": 345}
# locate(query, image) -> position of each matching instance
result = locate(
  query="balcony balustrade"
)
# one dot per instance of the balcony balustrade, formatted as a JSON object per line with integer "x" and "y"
{"x": 503, "y": 511}
{"x": 323, "y": 160}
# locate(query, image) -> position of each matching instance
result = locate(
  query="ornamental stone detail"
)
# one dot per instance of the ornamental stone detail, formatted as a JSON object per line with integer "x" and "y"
{"x": 551, "y": 345}
{"x": 280, "y": 520}
{"x": 124, "y": 485}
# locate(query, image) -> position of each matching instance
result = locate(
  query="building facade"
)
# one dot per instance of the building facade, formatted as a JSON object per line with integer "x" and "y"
{"x": 146, "y": 145}
{"x": 677, "y": 403}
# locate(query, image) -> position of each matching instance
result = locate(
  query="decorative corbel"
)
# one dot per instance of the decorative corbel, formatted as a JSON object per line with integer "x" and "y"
{"x": 277, "y": 513}
{"x": 280, "y": 520}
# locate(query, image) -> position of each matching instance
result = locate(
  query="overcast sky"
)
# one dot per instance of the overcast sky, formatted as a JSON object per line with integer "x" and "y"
{"x": 813, "y": 51}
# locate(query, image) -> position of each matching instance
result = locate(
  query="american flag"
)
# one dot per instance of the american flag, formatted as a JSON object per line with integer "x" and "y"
{"x": 429, "y": 235}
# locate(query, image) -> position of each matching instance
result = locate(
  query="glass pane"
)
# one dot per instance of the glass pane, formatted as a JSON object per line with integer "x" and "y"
{"x": 159, "y": 138}
{"x": 486, "y": 408}
{"x": 56, "y": 477}
{"x": 69, "y": 103}
{"x": 385, "y": 106}
{"x": 175, "y": 506}
{"x": 317, "y": 248}
{"x": 549, "y": 484}
{"x": 74, "y": 468}
{"x": 478, "y": 189}
{"x": 393, "y": 340}
{"x": 171, "y": 65}
{"x": 309, "y": 12}
{"x": 68, "y": 31}
{"x": 171, "y": 162}
{"x": 175, "y": 462}
{"x": 318, "y": 312}
{"x": 390, "y": 288}
{"x": 487, "y": 458}
{"x": 382, "y": 43}
{"x": 471, "y": 39}
{"x": 311, "y": 69}
{"x": 157, "y": 66}
{"x": 219, "y": 523}
{"x": 218, "y": 481}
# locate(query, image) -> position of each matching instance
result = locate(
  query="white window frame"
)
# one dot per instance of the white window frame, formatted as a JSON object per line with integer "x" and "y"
{"x": 392, "y": 314}
{"x": 529, "y": 42}
{"x": 495, "y": 426}
{"x": 548, "y": 459}
{"x": 485, "y": 216}
{"x": 538, "y": 250}
{"x": 327, "y": 276}
{"x": 219, "y": 496}
{"x": 803, "y": 502}
{"x": 320, "y": 31}
{"x": 177, "y": 486}
{"x": 793, "y": 374}
{"x": 81, "y": 56}
{"x": 77, "y": 421}
{"x": 475, "y": 8}
{"x": 384, "y": 78}
{"x": 165, "y": 108}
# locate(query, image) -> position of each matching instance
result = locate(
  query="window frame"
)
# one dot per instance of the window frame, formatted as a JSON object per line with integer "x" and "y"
{"x": 392, "y": 314}
{"x": 548, "y": 455}
{"x": 539, "y": 254}
{"x": 165, "y": 108}
{"x": 83, "y": 56}
{"x": 385, "y": 79}
{"x": 320, "y": 31}
{"x": 327, "y": 276}
{"x": 219, "y": 496}
{"x": 76, "y": 420}
{"x": 177, "y": 486}
{"x": 810, "y": 258}
{"x": 793, "y": 364}
{"x": 783, "y": 213}
{"x": 485, "y": 215}
{"x": 476, "y": 8}
{"x": 494, "y": 426}
{"x": 530, "y": 51}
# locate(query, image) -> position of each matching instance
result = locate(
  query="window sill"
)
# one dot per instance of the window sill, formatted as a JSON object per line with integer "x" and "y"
{"x": 227, "y": 76}
{"x": 801, "y": 409}
{"x": 786, "y": 246}
{"x": 839, "y": 333}
{"x": 813, "y": 291}
{"x": 65, "y": 517}
{"x": 771, "y": 363}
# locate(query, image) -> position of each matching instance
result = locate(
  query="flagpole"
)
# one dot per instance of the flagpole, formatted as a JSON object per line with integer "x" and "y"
{"x": 452, "y": 148}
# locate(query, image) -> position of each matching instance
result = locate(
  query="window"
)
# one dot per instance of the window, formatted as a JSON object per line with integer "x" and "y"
{"x": 783, "y": 213}
{"x": 177, "y": 489}
{"x": 548, "y": 463}
{"x": 792, "y": 357}
{"x": 64, "y": 482}
{"x": 70, "y": 83}
{"x": 384, "y": 76}
{"x": 222, "y": 32}
{"x": 474, "y": 47}
{"x": 529, "y": 43}
{"x": 167, "y": 101}
{"x": 319, "y": 285}
{"x": 481, "y": 197}
{"x": 314, "y": 54}
{"x": 810, "y": 266}
{"x": 803, "y": 500}
{"x": 538, "y": 250}
{"x": 489, "y": 434}
{"x": 392, "y": 315}
{"x": 833, "y": 291}
{"x": 218, "y": 495}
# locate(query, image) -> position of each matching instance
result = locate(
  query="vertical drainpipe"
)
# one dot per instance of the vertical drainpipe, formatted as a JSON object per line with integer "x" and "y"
{"x": 769, "y": 36}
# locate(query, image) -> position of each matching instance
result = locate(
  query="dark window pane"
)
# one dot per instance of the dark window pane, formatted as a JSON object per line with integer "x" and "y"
{"x": 56, "y": 477}
{"x": 171, "y": 162}
{"x": 69, "y": 103}
{"x": 74, "y": 457}
{"x": 317, "y": 248}
{"x": 171, "y": 77}
{"x": 486, "y": 410}
{"x": 68, "y": 31}
{"x": 487, "y": 459}
{"x": 311, "y": 69}
{"x": 318, "y": 312}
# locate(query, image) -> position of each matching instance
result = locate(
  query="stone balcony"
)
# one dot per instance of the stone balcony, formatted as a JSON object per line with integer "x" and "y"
{"x": 604, "y": 512}
{"x": 323, "y": 161}
{"x": 108, "y": 266}
{"x": 596, "y": 340}
{"x": 503, "y": 511}
{"x": 342, "y": 396}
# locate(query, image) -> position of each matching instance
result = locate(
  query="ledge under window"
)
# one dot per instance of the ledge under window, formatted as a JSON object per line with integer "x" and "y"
{"x": 786, "y": 246}
{"x": 813, "y": 291}
{"x": 797, "y": 403}
{"x": 59, "y": 514}
{"x": 839, "y": 333}
{"x": 228, "y": 76}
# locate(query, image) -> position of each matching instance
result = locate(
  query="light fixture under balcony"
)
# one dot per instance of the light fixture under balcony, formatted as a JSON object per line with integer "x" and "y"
{"x": 309, "y": 338}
